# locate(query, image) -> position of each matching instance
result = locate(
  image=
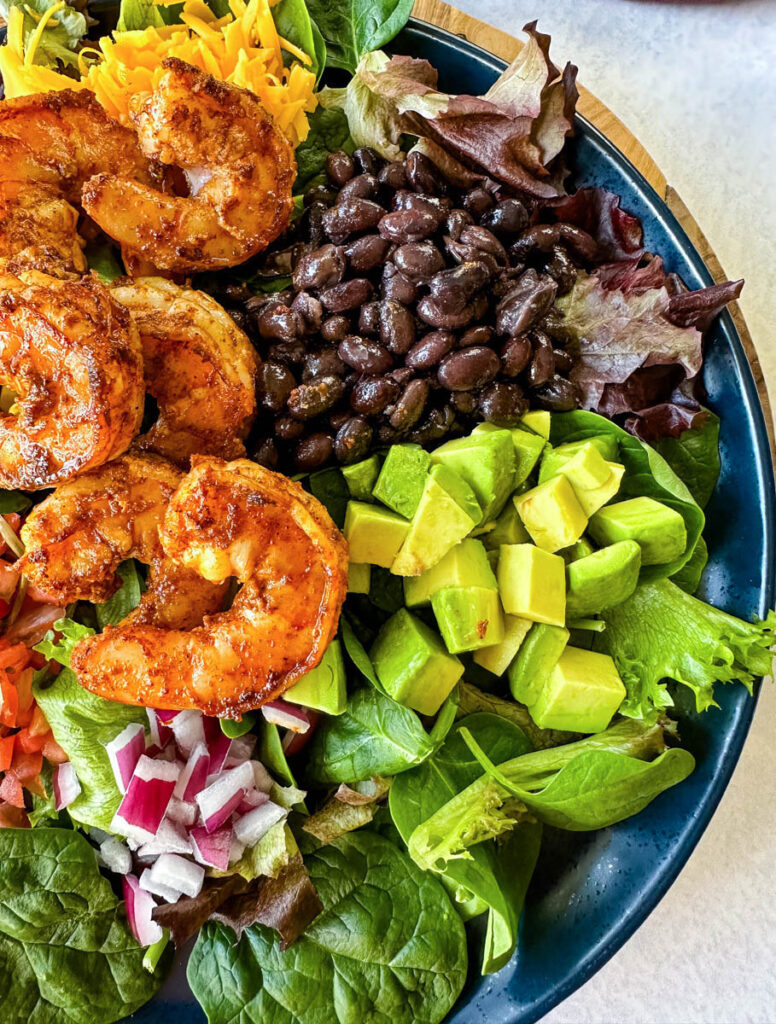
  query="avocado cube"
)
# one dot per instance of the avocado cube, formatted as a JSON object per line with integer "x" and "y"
{"x": 438, "y": 525}
{"x": 581, "y": 549}
{"x": 582, "y": 694}
{"x": 361, "y": 476}
{"x": 603, "y": 579}
{"x": 657, "y": 529}
{"x": 486, "y": 461}
{"x": 499, "y": 657}
{"x": 324, "y": 687}
{"x": 402, "y": 477}
{"x": 493, "y": 558}
{"x": 535, "y": 661}
{"x": 468, "y": 617}
{"x": 594, "y": 497}
{"x": 552, "y": 514}
{"x": 595, "y": 481}
{"x": 412, "y": 664}
{"x": 508, "y": 529}
{"x": 528, "y": 447}
{"x": 538, "y": 420}
{"x": 458, "y": 489}
{"x": 532, "y": 583}
{"x": 554, "y": 459}
{"x": 359, "y": 577}
{"x": 373, "y": 534}
{"x": 465, "y": 565}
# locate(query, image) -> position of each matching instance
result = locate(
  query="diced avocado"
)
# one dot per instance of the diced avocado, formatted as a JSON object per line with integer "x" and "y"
{"x": 595, "y": 481}
{"x": 401, "y": 479}
{"x": 493, "y": 558}
{"x": 581, "y": 549}
{"x": 486, "y": 461}
{"x": 468, "y": 617}
{"x": 359, "y": 575}
{"x": 438, "y": 525}
{"x": 554, "y": 459}
{"x": 538, "y": 420}
{"x": 412, "y": 664}
{"x": 459, "y": 490}
{"x": 582, "y": 694}
{"x": 323, "y": 688}
{"x": 361, "y": 476}
{"x": 509, "y": 529}
{"x": 373, "y": 534}
{"x": 602, "y": 580}
{"x": 499, "y": 657}
{"x": 528, "y": 447}
{"x": 466, "y": 565}
{"x": 657, "y": 529}
{"x": 532, "y": 583}
{"x": 535, "y": 660}
{"x": 551, "y": 514}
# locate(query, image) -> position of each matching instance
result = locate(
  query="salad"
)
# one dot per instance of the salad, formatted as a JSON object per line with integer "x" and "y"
{"x": 353, "y": 477}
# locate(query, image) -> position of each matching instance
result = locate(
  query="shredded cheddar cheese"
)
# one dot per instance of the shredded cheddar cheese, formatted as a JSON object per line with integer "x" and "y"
{"x": 243, "y": 48}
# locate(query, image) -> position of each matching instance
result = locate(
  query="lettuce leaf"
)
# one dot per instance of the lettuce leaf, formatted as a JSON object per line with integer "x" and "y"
{"x": 618, "y": 233}
{"x": 351, "y": 28}
{"x": 661, "y": 633}
{"x": 58, "y": 43}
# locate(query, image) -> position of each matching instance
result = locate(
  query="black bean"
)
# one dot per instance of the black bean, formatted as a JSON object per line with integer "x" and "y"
{"x": 274, "y": 385}
{"x": 353, "y": 440}
{"x": 364, "y": 354}
{"x": 367, "y": 160}
{"x": 468, "y": 368}
{"x": 313, "y": 451}
{"x": 347, "y": 295}
{"x": 363, "y": 186}
{"x": 452, "y": 289}
{"x": 526, "y": 302}
{"x": 386, "y": 434}
{"x": 278, "y": 321}
{"x": 418, "y": 260}
{"x": 426, "y": 353}
{"x": 338, "y": 419}
{"x": 367, "y": 252}
{"x": 401, "y": 374}
{"x": 351, "y": 217}
{"x": 477, "y": 201}
{"x": 393, "y": 175}
{"x": 542, "y": 365}
{"x": 554, "y": 324}
{"x": 313, "y": 222}
{"x": 340, "y": 167}
{"x": 430, "y": 313}
{"x": 288, "y": 429}
{"x": 325, "y": 363}
{"x": 558, "y": 395}
{"x": 464, "y": 402}
{"x": 456, "y": 221}
{"x": 320, "y": 194}
{"x": 515, "y": 355}
{"x": 509, "y": 217}
{"x": 312, "y": 399}
{"x": 485, "y": 241}
{"x": 267, "y": 454}
{"x": 408, "y": 225}
{"x": 243, "y": 321}
{"x": 335, "y": 328}
{"x": 369, "y": 318}
{"x": 436, "y": 424}
{"x": 564, "y": 362}
{"x": 461, "y": 252}
{"x": 479, "y": 335}
{"x": 436, "y": 205}
{"x": 372, "y": 394}
{"x": 562, "y": 269}
{"x": 289, "y": 353}
{"x": 545, "y": 236}
{"x": 502, "y": 403}
{"x": 423, "y": 175}
{"x": 397, "y": 327}
{"x": 321, "y": 268}
{"x": 410, "y": 405}
{"x": 309, "y": 312}
{"x": 396, "y": 286}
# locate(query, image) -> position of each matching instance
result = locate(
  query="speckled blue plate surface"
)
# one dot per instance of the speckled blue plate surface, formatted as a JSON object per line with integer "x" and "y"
{"x": 591, "y": 891}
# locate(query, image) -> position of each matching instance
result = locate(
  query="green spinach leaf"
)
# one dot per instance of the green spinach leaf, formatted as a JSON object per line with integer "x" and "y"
{"x": 471, "y": 700}
{"x": 328, "y": 131}
{"x": 353, "y": 27}
{"x": 694, "y": 457}
{"x": 13, "y": 501}
{"x": 127, "y": 597}
{"x": 689, "y": 576}
{"x": 388, "y": 946}
{"x": 104, "y": 261}
{"x": 293, "y": 22}
{"x": 329, "y": 487}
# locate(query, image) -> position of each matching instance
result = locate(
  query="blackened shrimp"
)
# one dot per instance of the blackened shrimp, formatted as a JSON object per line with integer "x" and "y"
{"x": 239, "y": 166}
{"x": 72, "y": 355}
{"x": 38, "y": 231}
{"x": 232, "y": 520}
{"x": 199, "y": 366}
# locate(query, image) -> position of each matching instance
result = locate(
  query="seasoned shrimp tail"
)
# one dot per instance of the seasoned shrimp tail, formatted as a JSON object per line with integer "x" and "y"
{"x": 232, "y": 520}
{"x": 239, "y": 166}
{"x": 38, "y": 231}
{"x": 72, "y": 355}
{"x": 199, "y": 366}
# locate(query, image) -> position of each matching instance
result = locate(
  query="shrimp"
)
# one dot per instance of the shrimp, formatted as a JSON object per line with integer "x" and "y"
{"x": 63, "y": 139}
{"x": 38, "y": 231}
{"x": 239, "y": 166}
{"x": 199, "y": 366}
{"x": 76, "y": 538}
{"x": 232, "y": 519}
{"x": 72, "y": 355}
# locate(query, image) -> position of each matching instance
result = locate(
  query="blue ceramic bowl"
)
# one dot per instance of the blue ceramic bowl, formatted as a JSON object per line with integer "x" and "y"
{"x": 591, "y": 891}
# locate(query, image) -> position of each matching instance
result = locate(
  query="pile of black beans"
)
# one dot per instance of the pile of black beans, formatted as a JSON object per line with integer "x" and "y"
{"x": 417, "y": 310}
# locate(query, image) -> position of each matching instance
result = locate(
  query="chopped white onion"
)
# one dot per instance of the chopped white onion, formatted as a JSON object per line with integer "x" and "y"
{"x": 240, "y": 750}
{"x": 193, "y": 777}
{"x": 212, "y": 848}
{"x": 182, "y": 812}
{"x": 219, "y": 748}
{"x": 224, "y": 795}
{"x": 65, "y": 784}
{"x": 253, "y": 798}
{"x": 188, "y": 730}
{"x": 170, "y": 838}
{"x": 140, "y": 905}
{"x": 262, "y": 779}
{"x": 255, "y": 824}
{"x": 148, "y": 795}
{"x": 164, "y": 892}
{"x": 236, "y": 850}
{"x": 178, "y": 873}
{"x": 115, "y": 856}
{"x": 286, "y": 716}
{"x": 124, "y": 752}
{"x": 161, "y": 734}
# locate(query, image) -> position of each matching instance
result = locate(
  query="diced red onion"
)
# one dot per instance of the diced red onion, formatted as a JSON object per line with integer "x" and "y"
{"x": 164, "y": 892}
{"x": 262, "y": 779}
{"x": 212, "y": 848}
{"x": 253, "y": 798}
{"x": 182, "y": 812}
{"x": 66, "y": 785}
{"x": 255, "y": 824}
{"x": 240, "y": 749}
{"x": 170, "y": 838}
{"x": 148, "y": 795}
{"x": 124, "y": 752}
{"x": 224, "y": 795}
{"x": 115, "y": 856}
{"x": 178, "y": 873}
{"x": 236, "y": 850}
{"x": 161, "y": 734}
{"x": 140, "y": 905}
{"x": 188, "y": 730}
{"x": 286, "y": 716}
{"x": 193, "y": 777}
{"x": 165, "y": 715}
{"x": 219, "y": 747}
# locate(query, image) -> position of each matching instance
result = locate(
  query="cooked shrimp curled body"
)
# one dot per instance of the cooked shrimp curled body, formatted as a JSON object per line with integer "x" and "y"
{"x": 72, "y": 355}
{"x": 239, "y": 166}
{"x": 38, "y": 231}
{"x": 76, "y": 538}
{"x": 199, "y": 366}
{"x": 232, "y": 519}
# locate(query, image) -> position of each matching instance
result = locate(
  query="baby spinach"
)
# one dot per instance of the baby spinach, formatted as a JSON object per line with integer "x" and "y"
{"x": 388, "y": 946}
{"x": 694, "y": 457}
{"x": 13, "y": 501}
{"x": 328, "y": 130}
{"x": 496, "y": 874}
{"x": 354, "y": 27}
{"x": 471, "y": 699}
{"x": 66, "y": 955}
{"x": 127, "y": 597}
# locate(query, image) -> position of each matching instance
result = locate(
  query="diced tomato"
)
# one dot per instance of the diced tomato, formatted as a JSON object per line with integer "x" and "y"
{"x": 4, "y": 608}
{"x": 23, "y": 684}
{"x": 9, "y": 580}
{"x": 10, "y": 702}
{"x": 11, "y": 790}
{"x": 53, "y": 752}
{"x": 26, "y": 766}
{"x": 30, "y": 742}
{"x": 36, "y": 786}
{"x": 38, "y": 660}
{"x": 36, "y": 596}
{"x": 14, "y": 520}
{"x": 14, "y": 656}
{"x": 39, "y": 725}
{"x": 13, "y": 817}
{"x": 6, "y": 752}
{"x": 34, "y": 622}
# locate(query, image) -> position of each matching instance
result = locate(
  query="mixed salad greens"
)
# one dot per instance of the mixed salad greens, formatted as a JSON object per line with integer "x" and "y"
{"x": 520, "y": 614}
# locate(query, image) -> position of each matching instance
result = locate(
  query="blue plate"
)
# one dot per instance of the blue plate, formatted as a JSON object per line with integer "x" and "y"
{"x": 591, "y": 891}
